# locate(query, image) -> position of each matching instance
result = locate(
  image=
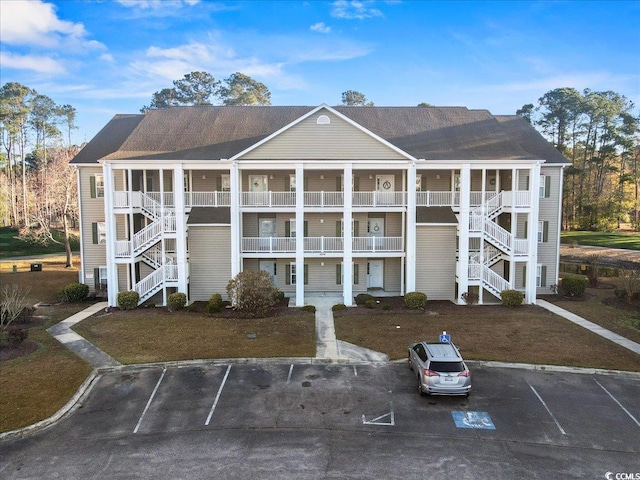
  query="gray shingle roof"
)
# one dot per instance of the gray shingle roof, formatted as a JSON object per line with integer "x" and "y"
{"x": 439, "y": 215}
{"x": 209, "y": 215}
{"x": 216, "y": 132}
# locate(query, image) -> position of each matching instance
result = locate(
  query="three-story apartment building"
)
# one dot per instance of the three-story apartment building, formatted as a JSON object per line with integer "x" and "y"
{"x": 442, "y": 200}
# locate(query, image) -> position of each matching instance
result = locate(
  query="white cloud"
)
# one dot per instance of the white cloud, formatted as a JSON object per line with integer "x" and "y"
{"x": 358, "y": 9}
{"x": 35, "y": 23}
{"x": 156, "y": 4}
{"x": 320, "y": 27}
{"x": 35, "y": 63}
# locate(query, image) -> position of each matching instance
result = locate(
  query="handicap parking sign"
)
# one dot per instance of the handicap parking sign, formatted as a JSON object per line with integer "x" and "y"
{"x": 445, "y": 337}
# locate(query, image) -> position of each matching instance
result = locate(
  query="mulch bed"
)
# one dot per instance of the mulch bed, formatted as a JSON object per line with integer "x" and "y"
{"x": 9, "y": 352}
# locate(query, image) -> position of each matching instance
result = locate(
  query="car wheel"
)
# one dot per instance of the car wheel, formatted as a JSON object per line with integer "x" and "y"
{"x": 410, "y": 364}
{"x": 420, "y": 390}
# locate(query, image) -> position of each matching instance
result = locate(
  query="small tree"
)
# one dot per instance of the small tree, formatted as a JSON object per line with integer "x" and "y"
{"x": 252, "y": 293}
{"x": 12, "y": 303}
{"x": 630, "y": 283}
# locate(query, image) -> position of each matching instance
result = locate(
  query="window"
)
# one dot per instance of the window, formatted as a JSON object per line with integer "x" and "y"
{"x": 225, "y": 182}
{"x": 97, "y": 186}
{"x": 100, "y": 279}
{"x": 102, "y": 275}
{"x": 291, "y": 275}
{"x": 99, "y": 233}
{"x": 418, "y": 183}
{"x": 545, "y": 186}
{"x": 543, "y": 231}
{"x": 292, "y": 182}
{"x": 539, "y": 280}
{"x": 355, "y": 277}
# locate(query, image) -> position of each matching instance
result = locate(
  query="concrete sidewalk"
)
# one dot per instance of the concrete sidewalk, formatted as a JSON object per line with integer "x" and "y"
{"x": 595, "y": 328}
{"x": 86, "y": 350}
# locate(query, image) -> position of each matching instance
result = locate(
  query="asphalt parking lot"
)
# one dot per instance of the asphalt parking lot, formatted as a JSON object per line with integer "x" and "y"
{"x": 336, "y": 421}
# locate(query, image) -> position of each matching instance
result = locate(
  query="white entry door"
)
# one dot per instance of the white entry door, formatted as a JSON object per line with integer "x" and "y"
{"x": 267, "y": 231}
{"x": 376, "y": 230}
{"x": 258, "y": 189}
{"x": 385, "y": 186}
{"x": 269, "y": 266}
{"x": 375, "y": 273}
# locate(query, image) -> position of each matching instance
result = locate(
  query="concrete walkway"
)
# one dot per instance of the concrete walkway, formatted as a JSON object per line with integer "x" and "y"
{"x": 86, "y": 350}
{"x": 595, "y": 328}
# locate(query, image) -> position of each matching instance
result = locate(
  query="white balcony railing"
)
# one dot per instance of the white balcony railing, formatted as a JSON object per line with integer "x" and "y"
{"x": 322, "y": 244}
{"x": 378, "y": 199}
{"x": 323, "y": 199}
{"x": 207, "y": 199}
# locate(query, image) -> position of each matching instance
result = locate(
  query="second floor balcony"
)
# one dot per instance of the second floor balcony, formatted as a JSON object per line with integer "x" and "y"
{"x": 322, "y": 245}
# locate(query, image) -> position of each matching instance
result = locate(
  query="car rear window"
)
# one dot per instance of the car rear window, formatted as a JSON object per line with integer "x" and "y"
{"x": 447, "y": 367}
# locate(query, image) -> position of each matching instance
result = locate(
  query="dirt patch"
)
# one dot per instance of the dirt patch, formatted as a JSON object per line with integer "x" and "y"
{"x": 9, "y": 352}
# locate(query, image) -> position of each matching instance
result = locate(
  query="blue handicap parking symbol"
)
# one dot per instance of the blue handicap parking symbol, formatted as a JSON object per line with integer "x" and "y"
{"x": 478, "y": 420}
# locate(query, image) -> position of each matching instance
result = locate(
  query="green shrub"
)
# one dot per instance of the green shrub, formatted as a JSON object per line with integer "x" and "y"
{"x": 278, "y": 296}
{"x": 215, "y": 303}
{"x": 128, "y": 300}
{"x": 370, "y": 304}
{"x": 309, "y": 308}
{"x": 361, "y": 298}
{"x": 339, "y": 306}
{"x": 386, "y": 306}
{"x": 252, "y": 294}
{"x": 74, "y": 292}
{"x": 512, "y": 298}
{"x": 176, "y": 301}
{"x": 415, "y": 300}
{"x": 574, "y": 285}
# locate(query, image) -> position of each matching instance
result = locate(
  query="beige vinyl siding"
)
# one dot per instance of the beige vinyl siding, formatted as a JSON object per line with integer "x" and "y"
{"x": 392, "y": 274}
{"x": 336, "y": 141}
{"x": 210, "y": 264}
{"x": 430, "y": 180}
{"x": 123, "y": 274}
{"x": 93, "y": 256}
{"x": 549, "y": 208}
{"x": 436, "y": 261}
{"x": 392, "y": 224}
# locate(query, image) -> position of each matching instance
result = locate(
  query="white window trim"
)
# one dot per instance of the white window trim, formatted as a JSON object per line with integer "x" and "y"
{"x": 101, "y": 233}
{"x": 540, "y": 231}
{"x": 539, "y": 275}
{"x": 99, "y": 185}
{"x": 102, "y": 275}
{"x": 292, "y": 273}
{"x": 225, "y": 182}
{"x": 543, "y": 186}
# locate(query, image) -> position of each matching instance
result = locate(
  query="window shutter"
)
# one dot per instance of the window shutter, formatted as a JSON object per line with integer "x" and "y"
{"x": 526, "y": 229}
{"x": 547, "y": 186}
{"x": 356, "y": 280}
{"x": 287, "y": 228}
{"x": 338, "y": 274}
{"x": 94, "y": 233}
{"x": 92, "y": 183}
{"x": 287, "y": 183}
{"x": 306, "y": 228}
{"x": 287, "y": 280}
{"x": 218, "y": 184}
{"x": 543, "y": 276}
{"x": 306, "y": 274}
{"x": 356, "y": 184}
{"x": 306, "y": 184}
{"x": 545, "y": 231}
{"x": 338, "y": 228}
{"x": 96, "y": 278}
{"x": 356, "y": 228}
{"x": 527, "y": 183}
{"x": 524, "y": 276}
{"x": 338, "y": 184}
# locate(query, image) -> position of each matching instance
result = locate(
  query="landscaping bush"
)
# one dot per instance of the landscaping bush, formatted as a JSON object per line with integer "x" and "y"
{"x": 339, "y": 306}
{"x": 252, "y": 294}
{"x": 16, "y": 335}
{"x": 386, "y": 306}
{"x": 278, "y": 296}
{"x": 309, "y": 308}
{"x": 215, "y": 303}
{"x": 370, "y": 304}
{"x": 74, "y": 292}
{"x": 128, "y": 300}
{"x": 176, "y": 301}
{"x": 415, "y": 300}
{"x": 574, "y": 285}
{"x": 512, "y": 298}
{"x": 361, "y": 298}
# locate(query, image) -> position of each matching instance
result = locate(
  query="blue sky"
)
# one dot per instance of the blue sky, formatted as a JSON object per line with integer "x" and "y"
{"x": 108, "y": 57}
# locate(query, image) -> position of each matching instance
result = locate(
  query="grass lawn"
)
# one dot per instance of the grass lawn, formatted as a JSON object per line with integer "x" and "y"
{"x": 156, "y": 335}
{"x": 526, "y": 334}
{"x": 630, "y": 241}
{"x": 37, "y": 385}
{"x": 12, "y": 246}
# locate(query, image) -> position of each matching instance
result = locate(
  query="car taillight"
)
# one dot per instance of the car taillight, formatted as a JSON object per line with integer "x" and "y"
{"x": 466, "y": 373}
{"x": 431, "y": 373}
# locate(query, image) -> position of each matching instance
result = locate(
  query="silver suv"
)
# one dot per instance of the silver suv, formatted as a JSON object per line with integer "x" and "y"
{"x": 439, "y": 369}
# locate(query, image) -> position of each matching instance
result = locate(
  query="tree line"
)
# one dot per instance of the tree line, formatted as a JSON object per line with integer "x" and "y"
{"x": 38, "y": 188}
{"x": 598, "y": 134}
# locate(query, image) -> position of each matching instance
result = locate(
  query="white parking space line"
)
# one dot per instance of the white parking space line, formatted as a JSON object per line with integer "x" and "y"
{"x": 290, "y": 372}
{"x": 619, "y": 404}
{"x": 153, "y": 394}
{"x": 547, "y": 408}
{"x": 355, "y": 371}
{"x": 215, "y": 402}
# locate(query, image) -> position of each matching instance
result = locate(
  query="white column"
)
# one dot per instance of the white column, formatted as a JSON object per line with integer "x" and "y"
{"x": 299, "y": 235}
{"x": 463, "y": 244}
{"x": 514, "y": 229}
{"x": 181, "y": 228}
{"x": 347, "y": 259}
{"x": 532, "y": 234}
{"x": 110, "y": 230}
{"x": 411, "y": 229}
{"x": 235, "y": 185}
